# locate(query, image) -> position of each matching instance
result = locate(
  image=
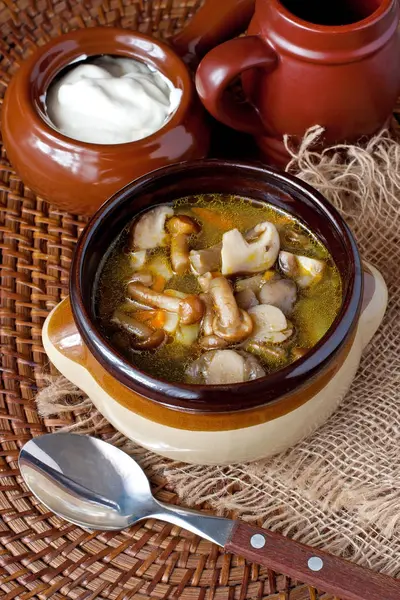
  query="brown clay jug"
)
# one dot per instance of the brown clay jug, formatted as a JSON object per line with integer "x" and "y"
{"x": 213, "y": 23}
{"x": 335, "y": 63}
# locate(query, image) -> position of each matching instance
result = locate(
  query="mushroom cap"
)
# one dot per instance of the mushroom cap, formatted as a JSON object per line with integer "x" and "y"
{"x": 270, "y": 324}
{"x": 281, "y": 293}
{"x": 182, "y": 224}
{"x": 156, "y": 339}
{"x": 191, "y": 309}
{"x": 238, "y": 331}
{"x": 143, "y": 336}
{"x": 246, "y": 299}
{"x": 224, "y": 367}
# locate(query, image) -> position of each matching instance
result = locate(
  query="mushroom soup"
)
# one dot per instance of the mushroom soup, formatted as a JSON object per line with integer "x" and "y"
{"x": 216, "y": 289}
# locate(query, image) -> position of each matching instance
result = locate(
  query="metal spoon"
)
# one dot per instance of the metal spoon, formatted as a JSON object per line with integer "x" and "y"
{"x": 95, "y": 485}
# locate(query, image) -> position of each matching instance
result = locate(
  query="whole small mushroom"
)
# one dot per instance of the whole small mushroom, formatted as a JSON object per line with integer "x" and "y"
{"x": 190, "y": 308}
{"x": 218, "y": 367}
{"x": 144, "y": 338}
{"x": 231, "y": 323}
{"x": 148, "y": 232}
{"x": 181, "y": 227}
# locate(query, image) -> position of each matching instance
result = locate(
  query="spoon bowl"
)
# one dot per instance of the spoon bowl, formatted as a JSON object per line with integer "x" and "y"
{"x": 98, "y": 486}
{"x": 86, "y": 481}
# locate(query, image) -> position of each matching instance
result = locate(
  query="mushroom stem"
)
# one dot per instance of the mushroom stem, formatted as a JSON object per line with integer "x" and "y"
{"x": 190, "y": 309}
{"x": 181, "y": 228}
{"x": 147, "y": 338}
{"x": 206, "y": 324}
{"x": 231, "y": 323}
{"x": 180, "y": 253}
{"x": 224, "y": 300}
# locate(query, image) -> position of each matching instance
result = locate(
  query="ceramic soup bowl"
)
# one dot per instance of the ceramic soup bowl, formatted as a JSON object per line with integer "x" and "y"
{"x": 219, "y": 423}
{"x": 78, "y": 176}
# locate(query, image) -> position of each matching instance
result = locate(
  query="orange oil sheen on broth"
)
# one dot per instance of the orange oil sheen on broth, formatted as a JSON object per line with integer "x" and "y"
{"x": 315, "y": 309}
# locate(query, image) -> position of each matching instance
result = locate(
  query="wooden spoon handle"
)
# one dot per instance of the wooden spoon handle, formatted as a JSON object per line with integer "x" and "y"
{"x": 313, "y": 567}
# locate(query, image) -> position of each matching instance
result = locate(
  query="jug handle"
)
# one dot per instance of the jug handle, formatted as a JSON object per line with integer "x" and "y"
{"x": 212, "y": 24}
{"x": 220, "y": 67}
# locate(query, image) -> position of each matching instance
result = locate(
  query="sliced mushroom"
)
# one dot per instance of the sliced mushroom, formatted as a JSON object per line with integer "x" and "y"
{"x": 250, "y": 283}
{"x": 270, "y": 325}
{"x": 190, "y": 309}
{"x": 142, "y": 277}
{"x": 137, "y": 259}
{"x": 246, "y": 299}
{"x": 304, "y": 270}
{"x": 160, "y": 266}
{"x": 230, "y": 322}
{"x": 281, "y": 293}
{"x": 224, "y": 367}
{"x": 203, "y": 261}
{"x": 145, "y": 338}
{"x": 240, "y": 256}
{"x": 148, "y": 231}
{"x": 181, "y": 228}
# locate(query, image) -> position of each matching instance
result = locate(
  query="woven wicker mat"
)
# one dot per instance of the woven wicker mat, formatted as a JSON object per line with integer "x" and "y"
{"x": 41, "y": 556}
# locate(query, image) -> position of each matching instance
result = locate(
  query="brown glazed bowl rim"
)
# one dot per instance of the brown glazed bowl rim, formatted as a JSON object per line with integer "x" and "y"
{"x": 215, "y": 398}
{"x": 49, "y": 60}
{"x": 371, "y": 19}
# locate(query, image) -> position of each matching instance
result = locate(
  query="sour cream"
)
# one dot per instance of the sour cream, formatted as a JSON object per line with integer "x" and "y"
{"x": 111, "y": 101}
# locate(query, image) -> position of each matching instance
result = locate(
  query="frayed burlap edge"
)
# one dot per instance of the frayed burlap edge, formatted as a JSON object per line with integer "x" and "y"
{"x": 339, "y": 489}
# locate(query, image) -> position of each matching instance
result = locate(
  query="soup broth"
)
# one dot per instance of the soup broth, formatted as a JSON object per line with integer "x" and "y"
{"x": 297, "y": 299}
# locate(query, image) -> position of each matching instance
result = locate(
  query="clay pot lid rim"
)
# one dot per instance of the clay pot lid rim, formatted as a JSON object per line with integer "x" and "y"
{"x": 43, "y": 122}
{"x": 218, "y": 398}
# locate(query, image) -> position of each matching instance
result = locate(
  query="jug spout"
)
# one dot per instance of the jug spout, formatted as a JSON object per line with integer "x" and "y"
{"x": 214, "y": 23}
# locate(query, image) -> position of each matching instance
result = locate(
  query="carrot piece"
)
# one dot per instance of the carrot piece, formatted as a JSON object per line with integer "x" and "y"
{"x": 158, "y": 283}
{"x": 153, "y": 318}
{"x": 268, "y": 275}
{"x": 214, "y": 218}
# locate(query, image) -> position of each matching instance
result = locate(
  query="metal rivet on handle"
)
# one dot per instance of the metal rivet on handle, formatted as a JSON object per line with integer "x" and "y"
{"x": 257, "y": 541}
{"x": 315, "y": 563}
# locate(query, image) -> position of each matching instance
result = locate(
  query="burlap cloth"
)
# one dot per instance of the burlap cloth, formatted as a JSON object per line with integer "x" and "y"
{"x": 339, "y": 489}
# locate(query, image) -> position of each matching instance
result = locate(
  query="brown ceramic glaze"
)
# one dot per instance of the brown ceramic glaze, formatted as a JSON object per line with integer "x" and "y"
{"x": 212, "y": 24}
{"x": 64, "y": 336}
{"x": 335, "y": 64}
{"x": 78, "y": 176}
{"x": 212, "y": 176}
